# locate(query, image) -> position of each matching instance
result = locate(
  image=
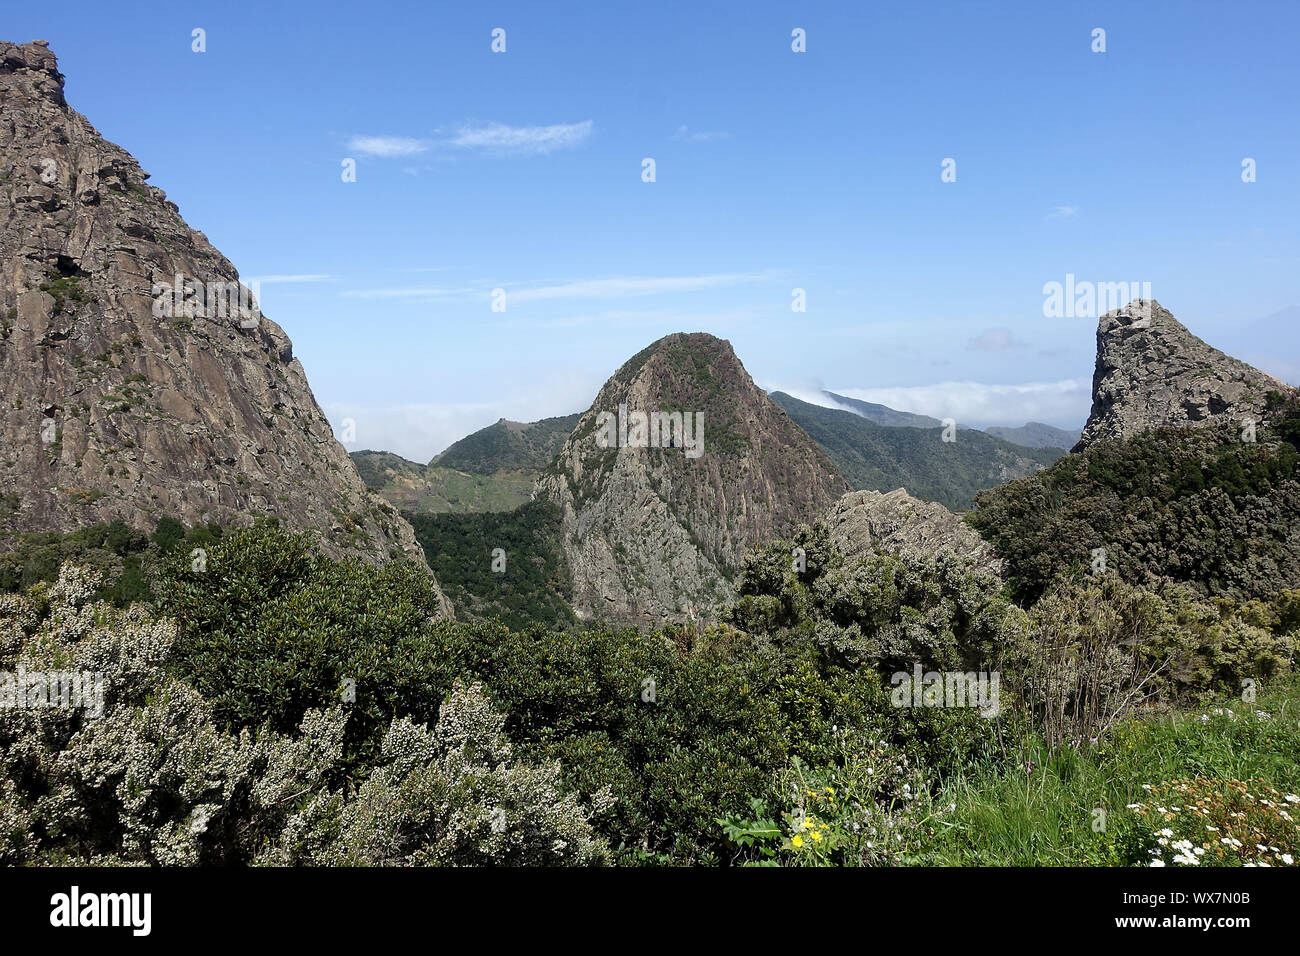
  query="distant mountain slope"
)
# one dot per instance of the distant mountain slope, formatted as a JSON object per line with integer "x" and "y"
{"x": 882, "y": 458}
{"x": 1036, "y": 435}
{"x": 493, "y": 469}
{"x": 883, "y": 414}
{"x": 425, "y": 489}
{"x": 652, "y": 534}
{"x": 508, "y": 446}
{"x": 127, "y": 399}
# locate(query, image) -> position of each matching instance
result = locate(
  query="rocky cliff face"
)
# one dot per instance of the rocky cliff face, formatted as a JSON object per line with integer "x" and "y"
{"x": 1152, "y": 371}
{"x": 863, "y": 522}
{"x": 654, "y": 534}
{"x": 114, "y": 407}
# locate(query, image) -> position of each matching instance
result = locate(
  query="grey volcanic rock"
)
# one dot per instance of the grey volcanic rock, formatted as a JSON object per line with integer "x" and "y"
{"x": 1152, "y": 371}
{"x": 652, "y": 535}
{"x": 863, "y": 522}
{"x": 109, "y": 411}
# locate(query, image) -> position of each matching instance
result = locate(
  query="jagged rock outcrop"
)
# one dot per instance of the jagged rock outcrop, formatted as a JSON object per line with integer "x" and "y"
{"x": 655, "y": 534}
{"x": 1152, "y": 371}
{"x": 863, "y": 522}
{"x": 115, "y": 407}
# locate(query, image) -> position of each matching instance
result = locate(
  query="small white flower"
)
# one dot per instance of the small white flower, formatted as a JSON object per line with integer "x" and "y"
{"x": 1157, "y": 862}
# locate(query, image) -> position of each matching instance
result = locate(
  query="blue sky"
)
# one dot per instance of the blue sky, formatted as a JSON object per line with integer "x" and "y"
{"x": 775, "y": 170}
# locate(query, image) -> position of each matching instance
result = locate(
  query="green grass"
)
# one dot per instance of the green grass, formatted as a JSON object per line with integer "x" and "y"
{"x": 1011, "y": 816}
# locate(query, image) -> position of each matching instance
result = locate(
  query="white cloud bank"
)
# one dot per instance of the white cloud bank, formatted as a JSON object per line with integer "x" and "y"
{"x": 1064, "y": 404}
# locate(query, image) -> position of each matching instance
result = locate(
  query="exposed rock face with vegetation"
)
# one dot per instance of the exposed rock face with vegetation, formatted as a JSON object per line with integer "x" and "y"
{"x": 654, "y": 535}
{"x": 863, "y": 522}
{"x": 1167, "y": 484}
{"x": 1152, "y": 371}
{"x": 110, "y": 411}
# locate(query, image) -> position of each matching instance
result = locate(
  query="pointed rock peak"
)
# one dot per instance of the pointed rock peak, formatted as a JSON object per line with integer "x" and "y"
{"x": 34, "y": 70}
{"x": 680, "y": 465}
{"x": 1152, "y": 371}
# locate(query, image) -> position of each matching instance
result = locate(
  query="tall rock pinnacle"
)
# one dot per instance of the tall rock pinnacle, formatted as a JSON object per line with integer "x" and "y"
{"x": 1152, "y": 371}
{"x": 118, "y": 402}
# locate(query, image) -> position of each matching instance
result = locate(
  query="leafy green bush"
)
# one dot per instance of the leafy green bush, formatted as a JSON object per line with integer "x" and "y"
{"x": 1192, "y": 505}
{"x": 889, "y": 611}
{"x": 534, "y": 584}
{"x": 145, "y": 775}
{"x": 678, "y": 727}
{"x": 126, "y": 557}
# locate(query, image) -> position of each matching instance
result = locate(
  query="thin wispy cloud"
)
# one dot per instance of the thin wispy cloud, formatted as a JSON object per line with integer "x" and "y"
{"x": 627, "y": 318}
{"x": 502, "y": 139}
{"x": 1062, "y": 212}
{"x": 419, "y": 293}
{"x": 286, "y": 279}
{"x": 700, "y": 136}
{"x": 618, "y": 288}
{"x": 387, "y": 146}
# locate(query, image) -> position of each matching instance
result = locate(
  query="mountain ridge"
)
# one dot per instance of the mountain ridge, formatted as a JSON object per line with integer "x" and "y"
{"x": 884, "y": 457}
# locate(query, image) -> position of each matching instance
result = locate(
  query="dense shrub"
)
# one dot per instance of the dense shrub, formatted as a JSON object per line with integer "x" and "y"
{"x": 124, "y": 556}
{"x": 889, "y": 611}
{"x": 1192, "y": 505}
{"x": 534, "y": 584}
{"x": 678, "y": 727}
{"x": 153, "y": 779}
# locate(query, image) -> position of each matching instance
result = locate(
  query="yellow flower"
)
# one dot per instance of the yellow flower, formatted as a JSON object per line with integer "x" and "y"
{"x": 816, "y": 835}
{"x": 807, "y": 824}
{"x": 796, "y": 841}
